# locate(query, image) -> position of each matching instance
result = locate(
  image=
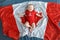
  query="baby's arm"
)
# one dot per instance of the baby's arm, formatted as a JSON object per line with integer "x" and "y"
{"x": 21, "y": 14}
{"x": 39, "y": 14}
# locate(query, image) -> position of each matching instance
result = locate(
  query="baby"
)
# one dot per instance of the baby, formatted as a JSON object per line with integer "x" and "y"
{"x": 30, "y": 17}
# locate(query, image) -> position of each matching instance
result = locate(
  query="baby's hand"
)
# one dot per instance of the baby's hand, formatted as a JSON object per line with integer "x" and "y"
{"x": 39, "y": 14}
{"x": 21, "y": 14}
{"x": 27, "y": 24}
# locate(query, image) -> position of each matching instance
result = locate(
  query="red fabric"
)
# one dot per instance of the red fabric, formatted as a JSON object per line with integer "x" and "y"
{"x": 31, "y": 19}
{"x": 8, "y": 22}
{"x": 30, "y": 16}
{"x": 53, "y": 29}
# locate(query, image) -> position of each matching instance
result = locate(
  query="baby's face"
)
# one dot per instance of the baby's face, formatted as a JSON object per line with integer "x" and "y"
{"x": 30, "y": 7}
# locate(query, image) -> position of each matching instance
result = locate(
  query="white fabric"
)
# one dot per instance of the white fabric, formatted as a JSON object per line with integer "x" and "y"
{"x": 41, "y": 25}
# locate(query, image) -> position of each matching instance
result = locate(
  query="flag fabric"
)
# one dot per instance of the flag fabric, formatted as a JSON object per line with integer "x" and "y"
{"x": 48, "y": 28}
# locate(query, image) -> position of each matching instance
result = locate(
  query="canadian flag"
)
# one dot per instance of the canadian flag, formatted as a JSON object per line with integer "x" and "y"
{"x": 48, "y": 27}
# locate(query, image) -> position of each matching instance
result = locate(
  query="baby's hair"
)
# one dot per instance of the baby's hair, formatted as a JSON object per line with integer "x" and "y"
{"x": 28, "y": 5}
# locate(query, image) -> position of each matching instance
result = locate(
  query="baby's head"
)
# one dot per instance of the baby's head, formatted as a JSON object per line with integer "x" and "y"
{"x": 30, "y": 7}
